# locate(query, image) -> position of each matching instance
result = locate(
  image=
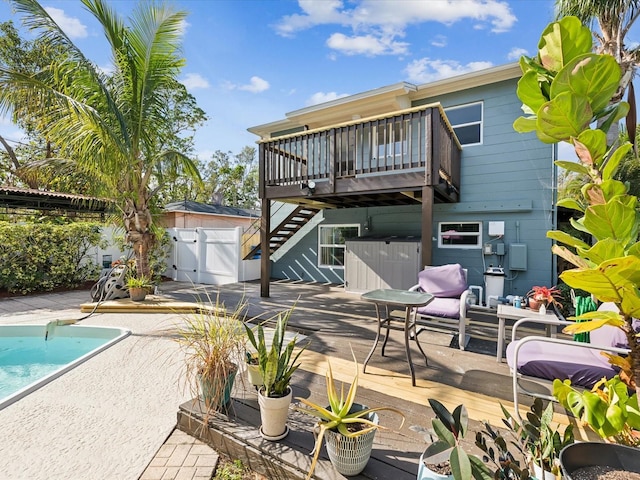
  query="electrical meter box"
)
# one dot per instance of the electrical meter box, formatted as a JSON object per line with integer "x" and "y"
{"x": 496, "y": 229}
{"x": 517, "y": 256}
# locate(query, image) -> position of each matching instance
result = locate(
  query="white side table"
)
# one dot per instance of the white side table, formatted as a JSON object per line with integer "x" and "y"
{"x": 512, "y": 313}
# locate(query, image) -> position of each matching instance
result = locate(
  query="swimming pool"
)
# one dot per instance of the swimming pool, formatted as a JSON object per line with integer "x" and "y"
{"x": 28, "y": 362}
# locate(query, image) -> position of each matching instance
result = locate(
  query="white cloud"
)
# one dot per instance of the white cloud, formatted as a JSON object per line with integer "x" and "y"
{"x": 322, "y": 97}
{"x": 426, "y": 70}
{"x": 439, "y": 41}
{"x": 375, "y": 25}
{"x": 255, "y": 85}
{"x": 516, "y": 53}
{"x": 71, "y": 26}
{"x": 194, "y": 80}
{"x": 366, "y": 45}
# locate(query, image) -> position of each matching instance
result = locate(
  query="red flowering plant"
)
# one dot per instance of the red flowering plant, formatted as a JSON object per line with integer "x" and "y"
{"x": 545, "y": 295}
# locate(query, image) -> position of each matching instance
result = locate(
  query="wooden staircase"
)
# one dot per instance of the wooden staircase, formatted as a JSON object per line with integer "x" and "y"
{"x": 287, "y": 228}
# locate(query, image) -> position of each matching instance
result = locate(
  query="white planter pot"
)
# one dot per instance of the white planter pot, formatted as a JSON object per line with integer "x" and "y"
{"x": 273, "y": 414}
{"x": 349, "y": 456}
{"x": 425, "y": 473}
{"x": 541, "y": 474}
{"x": 255, "y": 377}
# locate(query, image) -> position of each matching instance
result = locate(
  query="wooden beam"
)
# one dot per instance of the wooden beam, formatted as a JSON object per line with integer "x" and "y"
{"x": 265, "y": 254}
{"x": 427, "y": 225}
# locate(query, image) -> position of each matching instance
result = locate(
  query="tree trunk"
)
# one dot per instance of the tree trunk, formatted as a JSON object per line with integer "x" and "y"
{"x": 634, "y": 346}
{"x": 137, "y": 222}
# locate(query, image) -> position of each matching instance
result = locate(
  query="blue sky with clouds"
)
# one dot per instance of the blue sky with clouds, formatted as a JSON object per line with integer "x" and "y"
{"x": 249, "y": 62}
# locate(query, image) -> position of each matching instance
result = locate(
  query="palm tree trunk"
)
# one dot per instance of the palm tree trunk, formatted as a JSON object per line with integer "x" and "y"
{"x": 137, "y": 223}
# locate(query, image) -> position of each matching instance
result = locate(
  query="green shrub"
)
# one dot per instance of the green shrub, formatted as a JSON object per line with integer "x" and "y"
{"x": 42, "y": 257}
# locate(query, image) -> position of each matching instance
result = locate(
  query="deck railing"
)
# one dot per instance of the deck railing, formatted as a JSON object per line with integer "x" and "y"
{"x": 418, "y": 139}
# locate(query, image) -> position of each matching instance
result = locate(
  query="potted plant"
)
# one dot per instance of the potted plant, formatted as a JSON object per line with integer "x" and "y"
{"x": 253, "y": 369}
{"x": 349, "y": 427}
{"x": 213, "y": 340}
{"x": 445, "y": 457}
{"x": 277, "y": 364}
{"x": 138, "y": 287}
{"x": 540, "y": 440}
{"x": 539, "y": 296}
{"x": 569, "y": 94}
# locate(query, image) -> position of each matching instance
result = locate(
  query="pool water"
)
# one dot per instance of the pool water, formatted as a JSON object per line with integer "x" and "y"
{"x": 27, "y": 361}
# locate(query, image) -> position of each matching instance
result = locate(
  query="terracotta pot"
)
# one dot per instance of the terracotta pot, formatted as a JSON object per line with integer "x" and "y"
{"x": 536, "y": 304}
{"x": 137, "y": 294}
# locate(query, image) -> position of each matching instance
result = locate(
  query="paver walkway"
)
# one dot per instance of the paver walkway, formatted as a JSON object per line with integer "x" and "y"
{"x": 182, "y": 457}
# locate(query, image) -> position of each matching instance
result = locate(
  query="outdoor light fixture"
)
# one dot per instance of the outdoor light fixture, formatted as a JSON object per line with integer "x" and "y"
{"x": 310, "y": 186}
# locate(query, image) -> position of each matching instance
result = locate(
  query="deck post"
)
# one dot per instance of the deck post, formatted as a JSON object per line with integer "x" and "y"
{"x": 265, "y": 251}
{"x": 427, "y": 224}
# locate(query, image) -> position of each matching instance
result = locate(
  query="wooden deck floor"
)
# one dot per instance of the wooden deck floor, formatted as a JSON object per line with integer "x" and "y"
{"x": 335, "y": 323}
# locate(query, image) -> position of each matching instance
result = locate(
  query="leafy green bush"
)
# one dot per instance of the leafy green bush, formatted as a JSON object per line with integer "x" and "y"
{"x": 42, "y": 257}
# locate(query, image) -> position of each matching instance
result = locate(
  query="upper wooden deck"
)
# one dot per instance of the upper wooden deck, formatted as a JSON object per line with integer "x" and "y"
{"x": 384, "y": 160}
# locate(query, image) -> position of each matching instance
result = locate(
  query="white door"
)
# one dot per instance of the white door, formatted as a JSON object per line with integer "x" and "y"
{"x": 185, "y": 254}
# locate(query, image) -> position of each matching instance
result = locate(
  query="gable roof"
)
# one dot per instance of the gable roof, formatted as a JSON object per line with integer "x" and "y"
{"x": 188, "y": 206}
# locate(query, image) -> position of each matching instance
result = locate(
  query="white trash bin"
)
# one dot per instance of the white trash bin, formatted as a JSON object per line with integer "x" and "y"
{"x": 494, "y": 285}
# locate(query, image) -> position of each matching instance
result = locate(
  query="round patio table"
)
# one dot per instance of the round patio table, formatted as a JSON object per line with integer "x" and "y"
{"x": 410, "y": 301}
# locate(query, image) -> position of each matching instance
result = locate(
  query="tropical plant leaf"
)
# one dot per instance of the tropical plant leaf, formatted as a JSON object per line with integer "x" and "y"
{"x": 562, "y": 41}
{"x": 595, "y": 143}
{"x": 524, "y": 124}
{"x": 573, "y": 167}
{"x": 460, "y": 463}
{"x": 591, "y": 76}
{"x": 529, "y": 91}
{"x": 563, "y": 117}
{"x": 567, "y": 239}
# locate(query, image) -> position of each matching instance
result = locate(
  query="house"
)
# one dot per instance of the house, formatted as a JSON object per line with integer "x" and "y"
{"x": 438, "y": 165}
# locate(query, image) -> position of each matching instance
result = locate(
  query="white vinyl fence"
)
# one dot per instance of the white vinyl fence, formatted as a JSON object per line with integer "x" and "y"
{"x": 198, "y": 255}
{"x": 211, "y": 256}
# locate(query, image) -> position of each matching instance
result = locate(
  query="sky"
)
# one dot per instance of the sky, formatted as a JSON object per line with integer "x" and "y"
{"x": 249, "y": 62}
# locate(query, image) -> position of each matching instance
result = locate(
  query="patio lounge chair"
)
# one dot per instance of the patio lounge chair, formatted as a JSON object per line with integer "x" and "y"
{"x": 448, "y": 284}
{"x": 537, "y": 357}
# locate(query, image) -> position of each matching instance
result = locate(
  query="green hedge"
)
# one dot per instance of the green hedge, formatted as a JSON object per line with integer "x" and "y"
{"x": 42, "y": 257}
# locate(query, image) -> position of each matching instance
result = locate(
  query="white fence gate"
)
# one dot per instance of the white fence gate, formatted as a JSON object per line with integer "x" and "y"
{"x": 211, "y": 256}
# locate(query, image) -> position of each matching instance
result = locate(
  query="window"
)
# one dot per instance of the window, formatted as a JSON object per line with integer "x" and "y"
{"x": 331, "y": 243}
{"x": 460, "y": 235}
{"x": 392, "y": 139}
{"x": 466, "y": 121}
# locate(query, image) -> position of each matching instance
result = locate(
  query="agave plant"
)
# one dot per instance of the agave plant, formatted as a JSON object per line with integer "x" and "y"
{"x": 338, "y": 415}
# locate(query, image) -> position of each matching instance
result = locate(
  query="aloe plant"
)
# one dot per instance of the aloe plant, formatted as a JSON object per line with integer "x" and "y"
{"x": 566, "y": 90}
{"x": 338, "y": 416}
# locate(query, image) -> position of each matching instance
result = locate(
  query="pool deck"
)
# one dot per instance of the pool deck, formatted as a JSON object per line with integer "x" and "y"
{"x": 114, "y": 416}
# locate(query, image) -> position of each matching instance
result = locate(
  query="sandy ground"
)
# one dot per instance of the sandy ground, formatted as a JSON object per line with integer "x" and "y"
{"x": 106, "y": 418}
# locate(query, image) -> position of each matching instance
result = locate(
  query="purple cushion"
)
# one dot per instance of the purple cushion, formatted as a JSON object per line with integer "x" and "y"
{"x": 442, "y": 307}
{"x": 444, "y": 281}
{"x": 583, "y": 366}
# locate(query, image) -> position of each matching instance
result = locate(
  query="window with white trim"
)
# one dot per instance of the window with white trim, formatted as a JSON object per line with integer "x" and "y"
{"x": 460, "y": 235}
{"x": 331, "y": 243}
{"x": 466, "y": 121}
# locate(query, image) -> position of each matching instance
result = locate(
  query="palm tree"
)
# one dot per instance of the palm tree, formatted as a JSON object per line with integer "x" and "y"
{"x": 613, "y": 19}
{"x": 104, "y": 125}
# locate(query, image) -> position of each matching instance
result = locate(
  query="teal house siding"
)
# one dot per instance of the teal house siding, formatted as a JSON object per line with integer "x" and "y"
{"x": 509, "y": 177}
